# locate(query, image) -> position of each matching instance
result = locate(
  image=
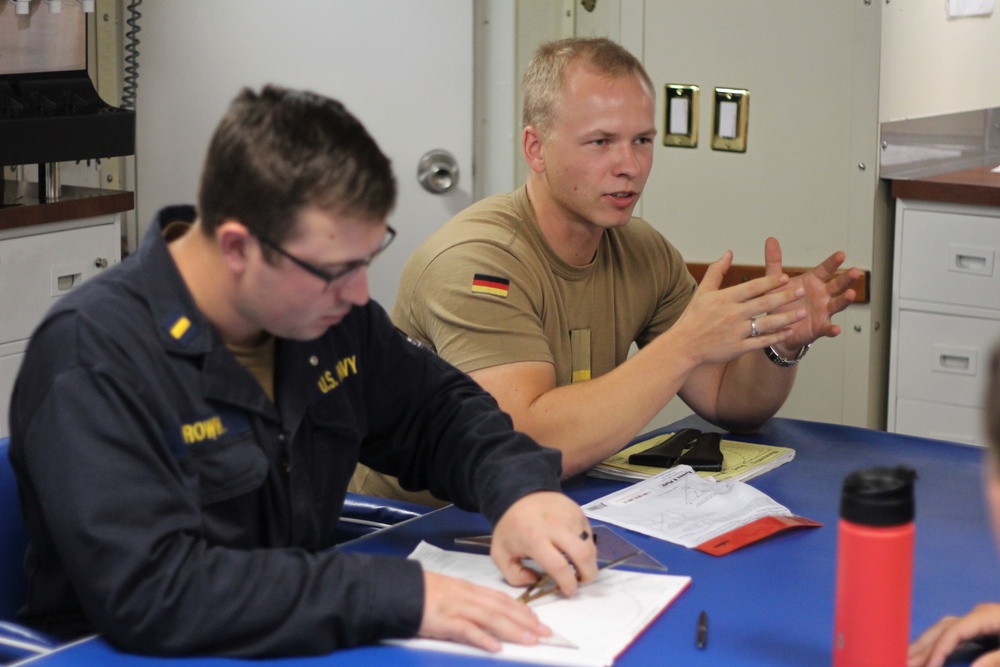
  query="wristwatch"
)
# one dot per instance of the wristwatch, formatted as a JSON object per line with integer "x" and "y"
{"x": 779, "y": 360}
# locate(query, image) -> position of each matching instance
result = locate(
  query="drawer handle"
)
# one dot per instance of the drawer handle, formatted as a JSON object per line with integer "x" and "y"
{"x": 968, "y": 259}
{"x": 68, "y": 282}
{"x": 955, "y": 360}
{"x": 970, "y": 262}
{"x": 101, "y": 263}
{"x": 66, "y": 277}
{"x": 952, "y": 362}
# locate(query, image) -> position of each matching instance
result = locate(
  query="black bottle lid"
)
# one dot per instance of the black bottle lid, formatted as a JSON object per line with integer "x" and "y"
{"x": 879, "y": 496}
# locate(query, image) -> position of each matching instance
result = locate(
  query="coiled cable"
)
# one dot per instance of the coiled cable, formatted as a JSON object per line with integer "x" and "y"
{"x": 130, "y": 82}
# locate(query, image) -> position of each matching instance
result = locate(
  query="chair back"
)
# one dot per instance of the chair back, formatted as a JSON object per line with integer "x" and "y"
{"x": 13, "y": 540}
{"x": 17, "y": 642}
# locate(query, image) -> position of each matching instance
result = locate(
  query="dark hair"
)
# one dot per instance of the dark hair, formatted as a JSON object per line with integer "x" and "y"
{"x": 543, "y": 79}
{"x": 280, "y": 150}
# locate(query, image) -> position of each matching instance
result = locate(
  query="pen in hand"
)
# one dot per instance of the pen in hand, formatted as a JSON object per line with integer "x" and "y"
{"x": 546, "y": 586}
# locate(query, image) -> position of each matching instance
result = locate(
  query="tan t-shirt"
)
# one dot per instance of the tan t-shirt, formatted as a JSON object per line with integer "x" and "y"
{"x": 486, "y": 289}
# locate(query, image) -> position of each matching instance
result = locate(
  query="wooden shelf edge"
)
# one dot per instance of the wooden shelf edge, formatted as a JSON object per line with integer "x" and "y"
{"x": 741, "y": 273}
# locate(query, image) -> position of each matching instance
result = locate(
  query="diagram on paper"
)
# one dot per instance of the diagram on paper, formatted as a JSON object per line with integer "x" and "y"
{"x": 599, "y": 622}
{"x": 681, "y": 507}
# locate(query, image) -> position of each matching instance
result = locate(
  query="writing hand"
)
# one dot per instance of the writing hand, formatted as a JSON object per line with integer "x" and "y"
{"x": 547, "y": 527}
{"x": 934, "y": 645}
{"x": 462, "y": 612}
{"x": 825, "y": 293}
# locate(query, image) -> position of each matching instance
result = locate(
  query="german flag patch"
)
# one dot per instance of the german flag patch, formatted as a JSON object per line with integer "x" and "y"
{"x": 483, "y": 284}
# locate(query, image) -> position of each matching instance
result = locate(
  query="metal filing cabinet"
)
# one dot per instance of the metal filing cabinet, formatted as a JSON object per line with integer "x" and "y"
{"x": 945, "y": 318}
{"x": 38, "y": 264}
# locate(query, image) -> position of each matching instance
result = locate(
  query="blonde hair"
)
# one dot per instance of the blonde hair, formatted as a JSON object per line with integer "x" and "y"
{"x": 543, "y": 80}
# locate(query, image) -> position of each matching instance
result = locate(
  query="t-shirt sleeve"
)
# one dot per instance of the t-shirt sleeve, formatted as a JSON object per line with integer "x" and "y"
{"x": 675, "y": 287}
{"x": 477, "y": 306}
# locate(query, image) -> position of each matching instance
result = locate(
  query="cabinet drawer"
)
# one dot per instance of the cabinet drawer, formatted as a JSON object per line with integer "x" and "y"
{"x": 942, "y": 422}
{"x": 950, "y": 258}
{"x": 943, "y": 358}
{"x": 35, "y": 270}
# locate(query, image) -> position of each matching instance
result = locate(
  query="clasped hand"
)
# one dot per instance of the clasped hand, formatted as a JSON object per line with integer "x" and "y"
{"x": 543, "y": 526}
{"x": 788, "y": 313}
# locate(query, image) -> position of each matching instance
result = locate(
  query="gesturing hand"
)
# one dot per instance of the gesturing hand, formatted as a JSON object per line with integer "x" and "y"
{"x": 825, "y": 293}
{"x": 718, "y": 324}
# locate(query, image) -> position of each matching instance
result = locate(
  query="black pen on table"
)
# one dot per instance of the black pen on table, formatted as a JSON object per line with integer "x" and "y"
{"x": 701, "y": 638}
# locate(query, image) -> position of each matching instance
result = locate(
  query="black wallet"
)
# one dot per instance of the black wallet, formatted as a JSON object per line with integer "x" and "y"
{"x": 688, "y": 446}
{"x": 665, "y": 454}
{"x": 706, "y": 454}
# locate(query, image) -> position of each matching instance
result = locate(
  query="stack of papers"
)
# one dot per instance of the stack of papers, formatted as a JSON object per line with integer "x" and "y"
{"x": 590, "y": 629}
{"x": 680, "y": 507}
{"x": 741, "y": 461}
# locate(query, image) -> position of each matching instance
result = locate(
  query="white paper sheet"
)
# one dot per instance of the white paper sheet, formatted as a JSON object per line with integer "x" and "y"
{"x": 681, "y": 507}
{"x": 600, "y": 621}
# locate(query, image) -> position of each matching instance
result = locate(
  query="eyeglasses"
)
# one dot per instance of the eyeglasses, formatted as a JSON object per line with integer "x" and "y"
{"x": 329, "y": 277}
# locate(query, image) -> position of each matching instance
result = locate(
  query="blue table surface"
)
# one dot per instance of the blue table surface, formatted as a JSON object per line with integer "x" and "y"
{"x": 768, "y": 604}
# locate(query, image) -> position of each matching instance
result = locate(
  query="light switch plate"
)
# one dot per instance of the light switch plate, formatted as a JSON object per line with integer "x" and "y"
{"x": 680, "y": 115}
{"x": 729, "y": 128}
{"x": 963, "y": 8}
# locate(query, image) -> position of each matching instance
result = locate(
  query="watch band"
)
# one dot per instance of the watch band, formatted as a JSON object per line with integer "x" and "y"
{"x": 779, "y": 360}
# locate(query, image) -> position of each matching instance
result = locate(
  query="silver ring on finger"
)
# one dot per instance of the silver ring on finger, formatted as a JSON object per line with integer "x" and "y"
{"x": 753, "y": 327}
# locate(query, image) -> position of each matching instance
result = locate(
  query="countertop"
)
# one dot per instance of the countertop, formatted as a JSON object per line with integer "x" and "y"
{"x": 74, "y": 203}
{"x": 977, "y": 186}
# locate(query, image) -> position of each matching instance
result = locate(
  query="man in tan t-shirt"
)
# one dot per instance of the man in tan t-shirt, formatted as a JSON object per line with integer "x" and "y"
{"x": 538, "y": 294}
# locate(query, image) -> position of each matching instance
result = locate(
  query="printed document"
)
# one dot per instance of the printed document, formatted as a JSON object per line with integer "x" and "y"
{"x": 590, "y": 629}
{"x": 680, "y": 507}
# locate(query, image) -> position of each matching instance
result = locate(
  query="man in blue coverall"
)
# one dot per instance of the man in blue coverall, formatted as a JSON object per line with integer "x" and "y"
{"x": 184, "y": 425}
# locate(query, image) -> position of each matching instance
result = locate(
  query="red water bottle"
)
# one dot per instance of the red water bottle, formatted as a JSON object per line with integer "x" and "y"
{"x": 874, "y": 568}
